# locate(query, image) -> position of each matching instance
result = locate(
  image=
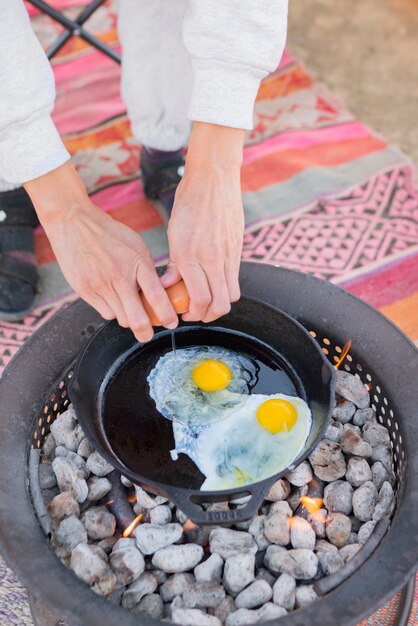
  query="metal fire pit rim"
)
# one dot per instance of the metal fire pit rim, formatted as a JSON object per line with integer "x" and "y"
{"x": 22, "y": 532}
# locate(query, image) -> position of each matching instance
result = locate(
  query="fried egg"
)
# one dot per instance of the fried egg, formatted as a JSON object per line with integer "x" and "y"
{"x": 234, "y": 437}
{"x": 201, "y": 384}
{"x": 260, "y": 438}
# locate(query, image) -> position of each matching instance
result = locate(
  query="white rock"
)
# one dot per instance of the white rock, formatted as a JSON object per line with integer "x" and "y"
{"x": 338, "y": 529}
{"x": 299, "y": 563}
{"x": 364, "y": 501}
{"x": 98, "y": 466}
{"x": 152, "y": 537}
{"x": 70, "y": 478}
{"x": 347, "y": 552}
{"x": 278, "y": 491}
{"x": 98, "y": 488}
{"x": 358, "y": 472}
{"x": 385, "y": 503}
{"x": 227, "y": 542}
{"x": 99, "y": 522}
{"x": 193, "y": 617}
{"x": 301, "y": 475}
{"x": 305, "y": 595}
{"x": 256, "y": 594}
{"x": 160, "y": 515}
{"x": 176, "y": 559}
{"x": 126, "y": 561}
{"x": 93, "y": 570}
{"x": 66, "y": 430}
{"x": 70, "y": 533}
{"x": 144, "y": 585}
{"x": 256, "y": 529}
{"x": 302, "y": 534}
{"x": 150, "y": 606}
{"x": 238, "y": 572}
{"x": 203, "y": 596}
{"x": 210, "y": 571}
{"x": 175, "y": 586}
{"x": 284, "y": 591}
{"x": 242, "y": 617}
{"x": 338, "y": 496}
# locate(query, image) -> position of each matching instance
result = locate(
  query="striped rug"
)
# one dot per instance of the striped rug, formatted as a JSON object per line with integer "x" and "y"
{"x": 322, "y": 194}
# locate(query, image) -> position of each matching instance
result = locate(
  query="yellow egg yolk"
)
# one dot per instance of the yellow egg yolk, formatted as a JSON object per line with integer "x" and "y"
{"x": 211, "y": 375}
{"x": 277, "y": 415}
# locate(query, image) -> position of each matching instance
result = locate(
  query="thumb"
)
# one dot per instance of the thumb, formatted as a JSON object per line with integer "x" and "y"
{"x": 171, "y": 276}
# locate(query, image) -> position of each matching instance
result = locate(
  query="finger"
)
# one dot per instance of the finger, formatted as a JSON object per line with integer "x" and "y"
{"x": 221, "y": 304}
{"x": 138, "y": 320}
{"x": 114, "y": 302}
{"x": 157, "y": 297}
{"x": 199, "y": 291}
{"x": 171, "y": 275}
{"x": 232, "y": 275}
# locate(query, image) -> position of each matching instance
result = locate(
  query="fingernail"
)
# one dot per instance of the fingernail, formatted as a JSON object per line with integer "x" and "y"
{"x": 173, "y": 325}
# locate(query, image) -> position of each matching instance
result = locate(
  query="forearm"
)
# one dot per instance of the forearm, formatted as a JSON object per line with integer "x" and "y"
{"x": 215, "y": 148}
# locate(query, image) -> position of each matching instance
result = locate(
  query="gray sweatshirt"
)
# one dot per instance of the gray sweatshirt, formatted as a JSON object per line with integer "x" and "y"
{"x": 233, "y": 45}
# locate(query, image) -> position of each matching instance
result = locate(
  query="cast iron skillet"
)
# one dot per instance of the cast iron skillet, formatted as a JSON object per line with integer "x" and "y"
{"x": 110, "y": 395}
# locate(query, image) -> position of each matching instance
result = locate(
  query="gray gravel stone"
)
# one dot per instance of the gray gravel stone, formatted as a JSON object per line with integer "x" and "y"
{"x": 126, "y": 561}
{"x": 126, "y": 482}
{"x": 63, "y": 505}
{"x": 48, "y": 448}
{"x": 385, "y": 502}
{"x": 160, "y": 515}
{"x": 227, "y": 542}
{"x": 203, "y": 596}
{"x": 301, "y": 475}
{"x": 253, "y": 596}
{"x": 99, "y": 522}
{"x": 70, "y": 533}
{"x": 325, "y": 546}
{"x": 344, "y": 411}
{"x": 210, "y": 571}
{"x": 145, "y": 501}
{"x": 256, "y": 529}
{"x": 241, "y": 617}
{"x": 305, "y": 595}
{"x": 338, "y": 496}
{"x": 84, "y": 448}
{"x": 70, "y": 478}
{"x": 302, "y": 535}
{"x": 358, "y": 472}
{"x": 347, "y": 552}
{"x": 47, "y": 478}
{"x": 383, "y": 453}
{"x": 379, "y": 474}
{"x": 284, "y": 591}
{"x": 98, "y": 466}
{"x": 270, "y": 611}
{"x": 293, "y": 501}
{"x": 152, "y": 537}
{"x": 352, "y": 443}
{"x": 67, "y": 431}
{"x": 334, "y": 431}
{"x": 193, "y": 617}
{"x": 362, "y": 416}
{"x": 160, "y": 576}
{"x": 175, "y": 586}
{"x": 278, "y": 491}
{"x": 351, "y": 388}
{"x": 338, "y": 529}
{"x": 226, "y": 607}
{"x": 273, "y": 558}
{"x": 328, "y": 461}
{"x": 150, "y": 606}
{"x": 264, "y": 574}
{"x": 144, "y": 585}
{"x": 98, "y": 488}
{"x": 87, "y": 564}
{"x": 364, "y": 501}
{"x": 276, "y": 524}
{"x": 176, "y": 559}
{"x": 238, "y": 572}
{"x": 365, "y": 531}
{"x": 299, "y": 563}
{"x": 375, "y": 434}
{"x": 318, "y": 522}
{"x": 107, "y": 543}
{"x": 76, "y": 459}
{"x": 330, "y": 562}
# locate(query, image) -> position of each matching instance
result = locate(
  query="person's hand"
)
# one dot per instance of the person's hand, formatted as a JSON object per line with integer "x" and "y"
{"x": 104, "y": 261}
{"x": 205, "y": 232}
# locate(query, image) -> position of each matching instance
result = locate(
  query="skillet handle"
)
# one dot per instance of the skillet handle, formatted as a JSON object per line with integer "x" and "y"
{"x": 188, "y": 503}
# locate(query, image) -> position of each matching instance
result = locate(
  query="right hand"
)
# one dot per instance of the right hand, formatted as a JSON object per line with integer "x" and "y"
{"x": 103, "y": 260}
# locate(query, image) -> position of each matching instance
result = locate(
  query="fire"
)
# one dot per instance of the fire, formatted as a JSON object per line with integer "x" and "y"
{"x": 313, "y": 506}
{"x": 344, "y": 353}
{"x": 188, "y": 525}
{"x": 132, "y": 498}
{"x": 128, "y": 531}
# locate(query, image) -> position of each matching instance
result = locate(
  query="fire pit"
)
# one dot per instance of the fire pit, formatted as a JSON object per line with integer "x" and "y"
{"x": 33, "y": 393}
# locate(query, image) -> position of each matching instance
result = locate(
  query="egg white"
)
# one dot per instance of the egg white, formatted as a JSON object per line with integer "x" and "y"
{"x": 237, "y": 450}
{"x": 176, "y": 396}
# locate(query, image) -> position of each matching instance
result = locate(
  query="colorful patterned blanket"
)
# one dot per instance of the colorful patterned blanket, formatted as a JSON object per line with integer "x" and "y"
{"x": 322, "y": 194}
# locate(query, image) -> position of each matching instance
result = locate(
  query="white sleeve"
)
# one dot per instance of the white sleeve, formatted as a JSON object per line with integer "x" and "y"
{"x": 30, "y": 145}
{"x": 233, "y": 45}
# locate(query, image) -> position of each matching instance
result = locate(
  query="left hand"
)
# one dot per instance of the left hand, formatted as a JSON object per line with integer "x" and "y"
{"x": 206, "y": 228}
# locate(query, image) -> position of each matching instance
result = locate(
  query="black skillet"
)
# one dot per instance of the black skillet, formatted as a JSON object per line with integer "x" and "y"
{"x": 109, "y": 392}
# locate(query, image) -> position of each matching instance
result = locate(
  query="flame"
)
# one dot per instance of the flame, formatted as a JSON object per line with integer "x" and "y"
{"x": 110, "y": 502}
{"x": 344, "y": 353}
{"x": 313, "y": 506}
{"x": 128, "y": 531}
{"x": 132, "y": 498}
{"x": 189, "y": 525}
